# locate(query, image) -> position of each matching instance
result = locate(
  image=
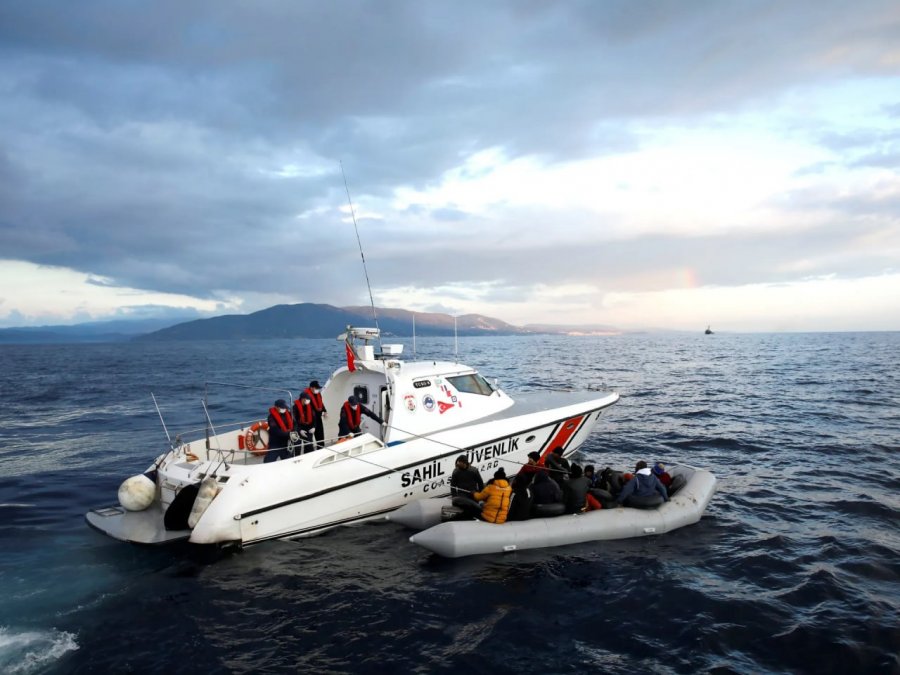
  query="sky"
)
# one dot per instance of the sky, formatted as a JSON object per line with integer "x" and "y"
{"x": 629, "y": 164}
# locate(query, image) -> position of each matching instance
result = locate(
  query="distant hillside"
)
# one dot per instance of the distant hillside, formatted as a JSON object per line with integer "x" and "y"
{"x": 310, "y": 320}
{"x": 400, "y": 322}
{"x": 95, "y": 331}
{"x": 307, "y": 320}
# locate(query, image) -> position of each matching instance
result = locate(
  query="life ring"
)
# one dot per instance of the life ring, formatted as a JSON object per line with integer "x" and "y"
{"x": 253, "y": 435}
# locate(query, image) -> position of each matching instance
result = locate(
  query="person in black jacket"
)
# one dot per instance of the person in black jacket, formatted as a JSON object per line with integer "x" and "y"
{"x": 575, "y": 490}
{"x": 314, "y": 391}
{"x": 465, "y": 479}
{"x": 544, "y": 490}
{"x": 351, "y": 417}
{"x": 558, "y": 466}
{"x": 281, "y": 426}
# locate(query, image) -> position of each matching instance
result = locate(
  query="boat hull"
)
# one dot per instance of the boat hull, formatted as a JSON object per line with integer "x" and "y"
{"x": 465, "y": 538}
{"x": 321, "y": 490}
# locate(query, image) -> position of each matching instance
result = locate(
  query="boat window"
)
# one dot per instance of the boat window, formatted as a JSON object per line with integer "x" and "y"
{"x": 471, "y": 384}
{"x": 362, "y": 394}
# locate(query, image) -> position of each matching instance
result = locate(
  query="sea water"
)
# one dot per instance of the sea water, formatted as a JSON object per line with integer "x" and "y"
{"x": 795, "y": 566}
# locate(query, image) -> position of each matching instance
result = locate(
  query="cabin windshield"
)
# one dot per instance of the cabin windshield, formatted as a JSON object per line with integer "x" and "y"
{"x": 471, "y": 384}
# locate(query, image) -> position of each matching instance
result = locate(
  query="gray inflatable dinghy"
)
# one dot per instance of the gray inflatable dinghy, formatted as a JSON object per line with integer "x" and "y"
{"x": 456, "y": 539}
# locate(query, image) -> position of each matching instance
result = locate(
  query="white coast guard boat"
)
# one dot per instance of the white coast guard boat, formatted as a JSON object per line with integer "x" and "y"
{"x": 433, "y": 412}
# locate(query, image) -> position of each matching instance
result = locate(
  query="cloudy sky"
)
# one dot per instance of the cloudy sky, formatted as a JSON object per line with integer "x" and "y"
{"x": 664, "y": 164}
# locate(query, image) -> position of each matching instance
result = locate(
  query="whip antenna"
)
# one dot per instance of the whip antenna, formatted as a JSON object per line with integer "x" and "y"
{"x": 158, "y": 412}
{"x": 362, "y": 255}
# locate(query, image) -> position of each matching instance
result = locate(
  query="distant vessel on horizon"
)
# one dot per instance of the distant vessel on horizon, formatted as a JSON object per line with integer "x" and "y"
{"x": 708, "y": 331}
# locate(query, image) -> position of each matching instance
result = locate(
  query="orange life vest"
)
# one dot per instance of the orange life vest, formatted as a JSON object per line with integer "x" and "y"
{"x": 354, "y": 417}
{"x": 316, "y": 400}
{"x": 305, "y": 413}
{"x": 286, "y": 424}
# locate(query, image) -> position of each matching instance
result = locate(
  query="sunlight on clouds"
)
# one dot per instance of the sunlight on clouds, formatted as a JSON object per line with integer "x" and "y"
{"x": 565, "y": 303}
{"x": 827, "y": 303}
{"x": 43, "y": 294}
{"x": 821, "y": 303}
{"x": 682, "y": 180}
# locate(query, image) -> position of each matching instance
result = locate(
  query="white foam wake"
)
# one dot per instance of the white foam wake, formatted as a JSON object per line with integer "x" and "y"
{"x": 29, "y": 651}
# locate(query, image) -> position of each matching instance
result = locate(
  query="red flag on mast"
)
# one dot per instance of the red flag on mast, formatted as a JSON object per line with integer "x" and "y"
{"x": 350, "y": 358}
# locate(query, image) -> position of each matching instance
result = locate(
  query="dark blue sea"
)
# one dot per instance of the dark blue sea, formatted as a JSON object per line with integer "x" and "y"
{"x": 795, "y": 567}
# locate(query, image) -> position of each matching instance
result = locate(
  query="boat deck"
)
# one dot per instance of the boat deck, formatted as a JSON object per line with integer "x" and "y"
{"x": 139, "y": 527}
{"x": 540, "y": 401}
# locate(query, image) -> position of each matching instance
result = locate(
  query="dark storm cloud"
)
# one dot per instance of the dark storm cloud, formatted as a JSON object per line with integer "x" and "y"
{"x": 140, "y": 140}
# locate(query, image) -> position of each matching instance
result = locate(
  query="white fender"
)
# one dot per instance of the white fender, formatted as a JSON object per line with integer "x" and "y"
{"x": 207, "y": 492}
{"x": 137, "y": 493}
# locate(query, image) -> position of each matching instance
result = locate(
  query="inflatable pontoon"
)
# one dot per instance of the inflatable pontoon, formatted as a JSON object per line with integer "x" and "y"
{"x": 455, "y": 539}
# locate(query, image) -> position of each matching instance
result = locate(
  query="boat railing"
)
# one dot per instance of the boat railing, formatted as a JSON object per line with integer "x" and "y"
{"x": 215, "y": 433}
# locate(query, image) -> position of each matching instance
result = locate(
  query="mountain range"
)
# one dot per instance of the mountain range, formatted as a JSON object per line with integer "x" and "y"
{"x": 305, "y": 320}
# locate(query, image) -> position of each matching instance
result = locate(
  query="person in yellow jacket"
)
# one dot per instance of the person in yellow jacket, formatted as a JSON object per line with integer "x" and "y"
{"x": 496, "y": 496}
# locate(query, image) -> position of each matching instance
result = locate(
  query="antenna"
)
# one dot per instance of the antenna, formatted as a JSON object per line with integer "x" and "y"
{"x": 362, "y": 255}
{"x": 414, "y": 335}
{"x": 158, "y": 412}
{"x": 455, "y": 340}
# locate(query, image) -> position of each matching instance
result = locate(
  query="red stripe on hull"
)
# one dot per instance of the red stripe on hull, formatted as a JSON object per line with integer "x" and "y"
{"x": 569, "y": 427}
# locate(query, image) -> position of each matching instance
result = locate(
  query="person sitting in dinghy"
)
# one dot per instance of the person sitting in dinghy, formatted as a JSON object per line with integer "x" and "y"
{"x": 643, "y": 491}
{"x": 547, "y": 497}
{"x": 465, "y": 481}
{"x": 496, "y": 496}
{"x": 558, "y": 466}
{"x": 281, "y": 426}
{"x": 659, "y": 470}
{"x": 528, "y": 471}
{"x": 575, "y": 490}
{"x": 351, "y": 417}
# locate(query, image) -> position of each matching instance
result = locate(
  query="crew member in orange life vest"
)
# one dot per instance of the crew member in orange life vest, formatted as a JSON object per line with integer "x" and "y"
{"x": 351, "y": 416}
{"x": 314, "y": 391}
{"x": 304, "y": 418}
{"x": 281, "y": 429}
